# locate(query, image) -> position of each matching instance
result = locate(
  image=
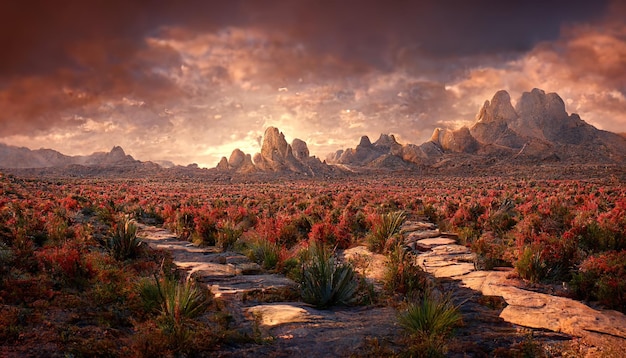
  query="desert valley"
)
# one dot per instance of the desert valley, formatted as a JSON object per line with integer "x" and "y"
{"x": 506, "y": 238}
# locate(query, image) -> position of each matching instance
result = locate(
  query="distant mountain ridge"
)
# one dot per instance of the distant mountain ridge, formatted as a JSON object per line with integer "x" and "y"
{"x": 536, "y": 130}
{"x": 21, "y": 157}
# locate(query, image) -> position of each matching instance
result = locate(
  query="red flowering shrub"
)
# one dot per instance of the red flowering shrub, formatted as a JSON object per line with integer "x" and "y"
{"x": 65, "y": 263}
{"x": 603, "y": 278}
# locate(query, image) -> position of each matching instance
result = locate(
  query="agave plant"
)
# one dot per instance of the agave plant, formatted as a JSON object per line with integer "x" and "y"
{"x": 124, "y": 243}
{"x": 325, "y": 282}
{"x": 385, "y": 230}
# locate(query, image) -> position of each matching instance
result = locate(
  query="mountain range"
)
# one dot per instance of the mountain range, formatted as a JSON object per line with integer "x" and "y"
{"x": 537, "y": 130}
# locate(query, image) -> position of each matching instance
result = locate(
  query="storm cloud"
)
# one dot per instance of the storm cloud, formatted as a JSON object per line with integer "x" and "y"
{"x": 190, "y": 81}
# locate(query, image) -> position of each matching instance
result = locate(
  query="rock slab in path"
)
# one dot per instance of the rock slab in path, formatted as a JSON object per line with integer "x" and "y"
{"x": 525, "y": 308}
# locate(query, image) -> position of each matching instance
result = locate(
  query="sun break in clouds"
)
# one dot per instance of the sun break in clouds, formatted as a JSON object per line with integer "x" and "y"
{"x": 190, "y": 81}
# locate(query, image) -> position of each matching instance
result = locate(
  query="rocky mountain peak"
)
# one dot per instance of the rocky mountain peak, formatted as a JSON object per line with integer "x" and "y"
{"x": 386, "y": 141}
{"x": 236, "y": 158}
{"x": 117, "y": 153}
{"x": 364, "y": 142}
{"x": 274, "y": 144}
{"x": 435, "y": 136}
{"x": 223, "y": 164}
{"x": 537, "y": 104}
{"x": 300, "y": 149}
{"x": 499, "y": 109}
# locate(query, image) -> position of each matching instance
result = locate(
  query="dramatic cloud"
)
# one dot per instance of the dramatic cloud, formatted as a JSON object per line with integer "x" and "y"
{"x": 191, "y": 81}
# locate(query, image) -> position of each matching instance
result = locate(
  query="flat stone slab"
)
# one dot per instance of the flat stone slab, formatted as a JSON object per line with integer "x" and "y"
{"x": 428, "y": 244}
{"x": 420, "y": 235}
{"x": 526, "y": 308}
{"x": 453, "y": 271}
{"x": 410, "y": 226}
{"x": 246, "y": 283}
{"x": 277, "y": 314}
{"x": 374, "y": 263}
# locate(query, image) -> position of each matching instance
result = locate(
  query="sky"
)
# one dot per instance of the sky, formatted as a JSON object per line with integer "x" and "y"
{"x": 189, "y": 81}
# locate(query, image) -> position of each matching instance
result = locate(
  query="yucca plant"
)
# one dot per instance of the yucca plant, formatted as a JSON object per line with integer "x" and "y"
{"x": 430, "y": 317}
{"x": 181, "y": 300}
{"x": 429, "y": 322}
{"x": 177, "y": 300}
{"x": 124, "y": 243}
{"x": 325, "y": 282}
{"x": 385, "y": 230}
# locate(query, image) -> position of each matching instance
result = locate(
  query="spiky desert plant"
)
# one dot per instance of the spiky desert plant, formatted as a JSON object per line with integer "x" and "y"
{"x": 326, "y": 282}
{"x": 431, "y": 316}
{"x": 177, "y": 303}
{"x": 264, "y": 252}
{"x": 385, "y": 230}
{"x": 124, "y": 243}
{"x": 181, "y": 299}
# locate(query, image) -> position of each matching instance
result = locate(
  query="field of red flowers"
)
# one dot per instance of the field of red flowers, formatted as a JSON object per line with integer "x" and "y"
{"x": 63, "y": 290}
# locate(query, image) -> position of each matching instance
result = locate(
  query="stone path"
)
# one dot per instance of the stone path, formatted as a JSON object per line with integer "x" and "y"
{"x": 495, "y": 306}
{"x": 443, "y": 258}
{"x": 295, "y": 328}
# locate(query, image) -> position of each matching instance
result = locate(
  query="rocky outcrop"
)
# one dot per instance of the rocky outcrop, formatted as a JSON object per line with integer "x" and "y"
{"x": 537, "y": 130}
{"x": 460, "y": 140}
{"x": 493, "y": 121}
{"x": 222, "y": 166}
{"x": 385, "y": 153}
{"x": 276, "y": 156}
{"x": 299, "y": 149}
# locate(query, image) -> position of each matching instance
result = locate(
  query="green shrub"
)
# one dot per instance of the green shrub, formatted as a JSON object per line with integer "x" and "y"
{"x": 384, "y": 230}
{"x": 177, "y": 303}
{"x": 181, "y": 299}
{"x": 531, "y": 266}
{"x": 325, "y": 282}
{"x": 175, "y": 299}
{"x": 124, "y": 243}
{"x": 432, "y": 315}
{"x": 598, "y": 238}
{"x": 264, "y": 252}
{"x": 491, "y": 251}
{"x": 429, "y": 322}
{"x": 227, "y": 235}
